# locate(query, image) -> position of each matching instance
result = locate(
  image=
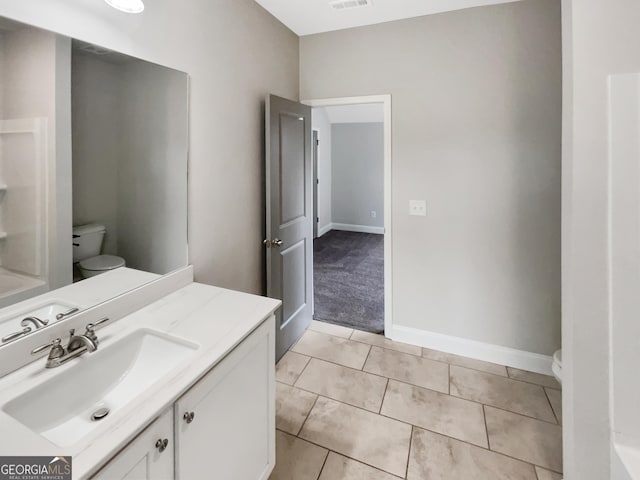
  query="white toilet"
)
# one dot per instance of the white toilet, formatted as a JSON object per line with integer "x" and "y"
{"x": 87, "y": 244}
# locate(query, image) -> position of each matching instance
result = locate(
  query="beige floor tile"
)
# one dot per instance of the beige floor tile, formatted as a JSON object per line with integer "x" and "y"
{"x": 524, "y": 438}
{"x": 547, "y": 475}
{"x": 531, "y": 377}
{"x": 292, "y": 407}
{"x": 408, "y": 368}
{"x": 338, "y": 467}
{"x": 333, "y": 349}
{"x": 435, "y": 411}
{"x": 436, "y": 457}
{"x": 344, "y": 384}
{"x": 382, "y": 341}
{"x": 297, "y": 459}
{"x": 465, "y": 362}
{"x": 358, "y": 434}
{"x": 290, "y": 367}
{"x": 555, "y": 398}
{"x": 330, "y": 329}
{"x": 501, "y": 392}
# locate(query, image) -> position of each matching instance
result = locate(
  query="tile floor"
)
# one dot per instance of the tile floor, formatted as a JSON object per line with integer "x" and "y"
{"x": 356, "y": 406}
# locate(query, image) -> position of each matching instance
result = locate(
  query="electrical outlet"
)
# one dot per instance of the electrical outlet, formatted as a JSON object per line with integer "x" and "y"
{"x": 374, "y": 214}
{"x": 418, "y": 208}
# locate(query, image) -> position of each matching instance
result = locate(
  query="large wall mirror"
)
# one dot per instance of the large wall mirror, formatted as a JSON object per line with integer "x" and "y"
{"x": 93, "y": 172}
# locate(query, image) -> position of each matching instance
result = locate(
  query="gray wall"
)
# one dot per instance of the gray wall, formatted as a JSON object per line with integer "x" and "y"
{"x": 476, "y": 127}
{"x": 130, "y": 158}
{"x": 96, "y": 120}
{"x": 357, "y": 156}
{"x": 589, "y": 59}
{"x": 152, "y": 173}
{"x": 235, "y": 53}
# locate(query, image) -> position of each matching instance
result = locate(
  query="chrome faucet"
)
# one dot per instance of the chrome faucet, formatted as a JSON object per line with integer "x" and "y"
{"x": 36, "y": 322}
{"x": 77, "y": 345}
{"x": 87, "y": 341}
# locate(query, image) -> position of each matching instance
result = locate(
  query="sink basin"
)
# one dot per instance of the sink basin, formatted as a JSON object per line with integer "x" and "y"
{"x": 47, "y": 311}
{"x": 71, "y": 405}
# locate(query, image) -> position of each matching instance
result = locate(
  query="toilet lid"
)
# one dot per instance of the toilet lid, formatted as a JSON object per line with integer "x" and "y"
{"x": 102, "y": 262}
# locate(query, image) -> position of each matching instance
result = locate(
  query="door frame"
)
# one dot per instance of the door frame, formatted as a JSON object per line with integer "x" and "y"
{"x": 385, "y": 100}
{"x": 314, "y": 160}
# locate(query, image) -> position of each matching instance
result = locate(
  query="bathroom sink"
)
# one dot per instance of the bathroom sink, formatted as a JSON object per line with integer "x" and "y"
{"x": 45, "y": 312}
{"x": 71, "y": 405}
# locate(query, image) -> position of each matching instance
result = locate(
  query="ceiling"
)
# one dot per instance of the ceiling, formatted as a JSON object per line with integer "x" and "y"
{"x": 306, "y": 17}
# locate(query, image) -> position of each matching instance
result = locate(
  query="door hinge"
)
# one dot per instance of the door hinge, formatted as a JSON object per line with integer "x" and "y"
{"x": 317, "y": 182}
{"x": 317, "y": 142}
{"x": 317, "y": 219}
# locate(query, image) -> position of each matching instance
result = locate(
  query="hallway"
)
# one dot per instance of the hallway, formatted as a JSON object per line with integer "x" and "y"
{"x": 348, "y": 280}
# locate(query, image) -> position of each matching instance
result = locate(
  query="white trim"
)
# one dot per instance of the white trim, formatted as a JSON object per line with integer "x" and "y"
{"x": 388, "y": 267}
{"x": 326, "y": 229}
{"x": 533, "y": 362}
{"x": 345, "y": 227}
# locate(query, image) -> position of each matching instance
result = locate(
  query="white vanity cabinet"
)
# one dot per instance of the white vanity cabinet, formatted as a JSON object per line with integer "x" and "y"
{"x": 225, "y": 424}
{"x": 150, "y": 456}
{"x": 222, "y": 428}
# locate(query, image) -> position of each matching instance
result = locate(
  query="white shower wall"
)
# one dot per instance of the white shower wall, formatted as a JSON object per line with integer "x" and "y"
{"x": 30, "y": 87}
{"x": 23, "y": 208}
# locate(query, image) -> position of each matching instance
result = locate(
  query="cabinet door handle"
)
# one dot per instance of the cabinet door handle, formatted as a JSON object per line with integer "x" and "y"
{"x": 189, "y": 416}
{"x": 161, "y": 444}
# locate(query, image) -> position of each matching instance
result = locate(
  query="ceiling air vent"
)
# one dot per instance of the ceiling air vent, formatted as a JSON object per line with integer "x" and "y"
{"x": 345, "y": 4}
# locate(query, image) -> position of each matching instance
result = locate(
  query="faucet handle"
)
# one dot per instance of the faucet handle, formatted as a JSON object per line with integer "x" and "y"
{"x": 13, "y": 336}
{"x": 54, "y": 344}
{"x": 90, "y": 333}
{"x": 92, "y": 326}
{"x": 71, "y": 311}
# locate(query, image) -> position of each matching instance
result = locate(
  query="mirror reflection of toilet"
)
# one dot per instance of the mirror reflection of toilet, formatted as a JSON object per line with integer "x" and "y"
{"x": 87, "y": 245}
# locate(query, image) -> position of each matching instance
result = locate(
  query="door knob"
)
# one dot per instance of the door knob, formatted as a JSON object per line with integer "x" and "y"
{"x": 276, "y": 243}
{"x": 162, "y": 444}
{"x": 189, "y": 416}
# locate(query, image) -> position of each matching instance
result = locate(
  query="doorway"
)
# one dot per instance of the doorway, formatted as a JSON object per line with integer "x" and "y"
{"x": 352, "y": 211}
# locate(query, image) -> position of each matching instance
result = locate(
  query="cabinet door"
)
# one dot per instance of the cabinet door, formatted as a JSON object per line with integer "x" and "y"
{"x": 225, "y": 425}
{"x": 142, "y": 459}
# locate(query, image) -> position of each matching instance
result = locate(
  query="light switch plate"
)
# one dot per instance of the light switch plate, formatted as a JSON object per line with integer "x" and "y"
{"x": 418, "y": 208}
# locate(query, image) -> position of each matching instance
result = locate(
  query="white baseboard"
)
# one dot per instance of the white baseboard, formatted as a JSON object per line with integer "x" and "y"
{"x": 325, "y": 229}
{"x": 345, "y": 227}
{"x": 533, "y": 362}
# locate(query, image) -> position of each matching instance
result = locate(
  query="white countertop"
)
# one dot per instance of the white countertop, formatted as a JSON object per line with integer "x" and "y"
{"x": 215, "y": 318}
{"x": 84, "y": 294}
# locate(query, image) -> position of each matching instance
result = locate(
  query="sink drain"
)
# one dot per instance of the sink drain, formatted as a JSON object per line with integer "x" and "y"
{"x": 99, "y": 414}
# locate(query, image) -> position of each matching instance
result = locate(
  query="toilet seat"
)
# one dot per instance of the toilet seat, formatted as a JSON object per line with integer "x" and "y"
{"x": 101, "y": 263}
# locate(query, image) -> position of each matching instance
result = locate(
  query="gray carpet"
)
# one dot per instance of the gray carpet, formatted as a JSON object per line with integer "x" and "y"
{"x": 349, "y": 280}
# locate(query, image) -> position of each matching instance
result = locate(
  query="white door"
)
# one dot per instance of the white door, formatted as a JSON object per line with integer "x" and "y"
{"x": 225, "y": 424}
{"x": 289, "y": 222}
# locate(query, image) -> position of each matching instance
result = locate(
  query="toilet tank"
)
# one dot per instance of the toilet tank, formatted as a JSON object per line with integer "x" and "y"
{"x": 87, "y": 241}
